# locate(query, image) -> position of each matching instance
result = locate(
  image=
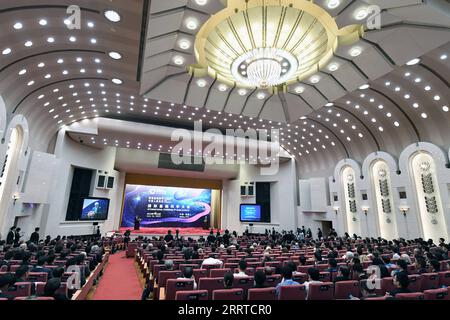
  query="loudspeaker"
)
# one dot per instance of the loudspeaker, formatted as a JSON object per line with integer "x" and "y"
{"x": 110, "y": 183}
{"x": 95, "y": 224}
{"x": 101, "y": 181}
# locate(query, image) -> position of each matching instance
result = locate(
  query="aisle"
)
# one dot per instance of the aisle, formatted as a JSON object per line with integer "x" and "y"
{"x": 119, "y": 281}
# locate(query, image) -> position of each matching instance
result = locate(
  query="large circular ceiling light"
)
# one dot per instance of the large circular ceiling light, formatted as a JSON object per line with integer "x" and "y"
{"x": 268, "y": 44}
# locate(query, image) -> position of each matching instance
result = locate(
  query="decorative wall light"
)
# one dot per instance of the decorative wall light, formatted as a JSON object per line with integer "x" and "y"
{"x": 365, "y": 209}
{"x": 403, "y": 209}
{"x": 268, "y": 44}
{"x": 336, "y": 209}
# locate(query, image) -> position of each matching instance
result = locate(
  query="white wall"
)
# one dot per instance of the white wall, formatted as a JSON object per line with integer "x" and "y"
{"x": 283, "y": 198}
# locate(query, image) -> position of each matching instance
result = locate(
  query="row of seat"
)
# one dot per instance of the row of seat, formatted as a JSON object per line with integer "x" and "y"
{"x": 183, "y": 290}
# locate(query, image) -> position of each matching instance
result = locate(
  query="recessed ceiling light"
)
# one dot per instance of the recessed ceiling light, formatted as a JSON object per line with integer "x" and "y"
{"x": 115, "y": 55}
{"x": 60, "y": 61}
{"x": 413, "y": 62}
{"x": 361, "y": 13}
{"x": 43, "y": 22}
{"x": 333, "y": 4}
{"x": 299, "y": 89}
{"x": 112, "y": 15}
{"x": 364, "y": 87}
{"x": 79, "y": 59}
{"x": 184, "y": 44}
{"x": 333, "y": 66}
{"x": 443, "y": 57}
{"x": 424, "y": 115}
{"x": 445, "y": 108}
{"x": 315, "y": 79}
{"x": 41, "y": 65}
{"x": 97, "y": 60}
{"x": 67, "y": 22}
{"x": 329, "y": 104}
{"x": 90, "y": 24}
{"x": 261, "y": 95}
{"x": 72, "y": 39}
{"x": 50, "y": 39}
{"x": 191, "y": 23}
{"x": 93, "y": 41}
{"x": 22, "y": 72}
{"x": 30, "y": 83}
{"x": 242, "y": 92}
{"x": 6, "y": 51}
{"x": 178, "y": 60}
{"x": 222, "y": 87}
{"x": 201, "y": 2}
{"x": 117, "y": 81}
{"x": 18, "y": 26}
{"x": 396, "y": 123}
{"x": 28, "y": 43}
{"x": 82, "y": 70}
{"x": 356, "y": 51}
{"x": 437, "y": 98}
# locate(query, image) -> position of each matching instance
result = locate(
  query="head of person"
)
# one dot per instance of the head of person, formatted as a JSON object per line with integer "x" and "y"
{"x": 51, "y": 286}
{"x": 260, "y": 278}
{"x": 242, "y": 266}
{"x": 168, "y": 264}
{"x": 286, "y": 272}
{"x": 314, "y": 274}
{"x": 169, "y": 232}
{"x": 21, "y": 272}
{"x": 160, "y": 255}
{"x": 268, "y": 271}
{"x": 58, "y": 272}
{"x": 401, "y": 280}
{"x": 333, "y": 263}
{"x": 344, "y": 272}
{"x": 292, "y": 265}
{"x": 357, "y": 268}
{"x": 402, "y": 265}
{"x": 6, "y": 280}
{"x": 302, "y": 260}
{"x": 367, "y": 288}
{"x": 188, "y": 272}
{"x": 228, "y": 279}
{"x": 41, "y": 261}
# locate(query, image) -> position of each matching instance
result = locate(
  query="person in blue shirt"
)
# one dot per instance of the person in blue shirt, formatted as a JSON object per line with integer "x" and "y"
{"x": 286, "y": 272}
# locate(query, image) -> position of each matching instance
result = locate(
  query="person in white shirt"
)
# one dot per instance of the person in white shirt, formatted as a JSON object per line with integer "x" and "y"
{"x": 212, "y": 261}
{"x": 188, "y": 274}
{"x": 313, "y": 277}
{"x": 242, "y": 268}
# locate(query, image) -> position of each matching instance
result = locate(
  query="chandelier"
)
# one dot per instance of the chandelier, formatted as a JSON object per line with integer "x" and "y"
{"x": 268, "y": 44}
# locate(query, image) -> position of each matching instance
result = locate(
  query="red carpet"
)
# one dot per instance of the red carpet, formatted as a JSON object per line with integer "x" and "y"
{"x": 160, "y": 231}
{"x": 120, "y": 280}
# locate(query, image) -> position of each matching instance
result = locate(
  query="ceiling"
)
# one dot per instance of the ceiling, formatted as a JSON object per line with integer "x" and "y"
{"x": 56, "y": 76}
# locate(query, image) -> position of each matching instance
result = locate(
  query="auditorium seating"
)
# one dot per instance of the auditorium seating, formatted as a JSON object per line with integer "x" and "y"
{"x": 410, "y": 296}
{"x": 228, "y": 294}
{"x": 343, "y": 289}
{"x": 430, "y": 281}
{"x": 321, "y": 291}
{"x": 262, "y": 294}
{"x": 192, "y": 295}
{"x": 437, "y": 294}
{"x": 296, "y": 292}
{"x": 174, "y": 285}
{"x": 210, "y": 284}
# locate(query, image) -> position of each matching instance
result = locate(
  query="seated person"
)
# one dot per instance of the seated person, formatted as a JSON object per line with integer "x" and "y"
{"x": 268, "y": 271}
{"x": 6, "y": 281}
{"x": 401, "y": 282}
{"x": 228, "y": 279}
{"x": 358, "y": 272}
{"x": 168, "y": 264}
{"x": 260, "y": 279}
{"x": 367, "y": 291}
{"x": 242, "y": 267}
{"x": 211, "y": 260}
{"x": 333, "y": 265}
{"x": 40, "y": 267}
{"x": 189, "y": 274}
{"x": 343, "y": 274}
{"x": 302, "y": 260}
{"x": 21, "y": 274}
{"x": 51, "y": 287}
{"x": 286, "y": 272}
{"x": 402, "y": 266}
{"x": 421, "y": 265}
{"x": 313, "y": 277}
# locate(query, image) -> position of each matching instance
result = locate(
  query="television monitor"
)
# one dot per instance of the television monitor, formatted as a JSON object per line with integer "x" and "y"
{"x": 250, "y": 213}
{"x": 94, "y": 209}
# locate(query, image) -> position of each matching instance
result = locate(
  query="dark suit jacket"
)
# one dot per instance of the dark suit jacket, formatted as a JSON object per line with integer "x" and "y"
{"x": 43, "y": 269}
{"x": 34, "y": 237}
{"x": 10, "y": 237}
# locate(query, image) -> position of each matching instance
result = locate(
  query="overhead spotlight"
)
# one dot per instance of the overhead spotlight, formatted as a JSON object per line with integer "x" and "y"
{"x": 43, "y": 22}
{"x": 443, "y": 57}
{"x": 315, "y": 79}
{"x": 115, "y": 55}
{"x": 178, "y": 60}
{"x": 361, "y": 13}
{"x": 28, "y": 44}
{"x": 112, "y": 15}
{"x": 356, "y": 51}
{"x": 261, "y": 95}
{"x": 364, "y": 87}
{"x": 191, "y": 23}
{"x": 6, "y": 51}
{"x": 50, "y": 39}
{"x": 72, "y": 39}
{"x": 333, "y": 4}
{"x": 201, "y": 83}
{"x": 90, "y": 24}
{"x": 184, "y": 44}
{"x": 242, "y": 92}
{"x": 222, "y": 87}
{"x": 330, "y": 104}
{"x": 201, "y": 2}
{"x": 117, "y": 81}
{"x": 333, "y": 66}
{"x": 18, "y": 26}
{"x": 299, "y": 89}
{"x": 413, "y": 62}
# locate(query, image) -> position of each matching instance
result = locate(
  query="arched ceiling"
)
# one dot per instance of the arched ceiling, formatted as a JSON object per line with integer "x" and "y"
{"x": 56, "y": 76}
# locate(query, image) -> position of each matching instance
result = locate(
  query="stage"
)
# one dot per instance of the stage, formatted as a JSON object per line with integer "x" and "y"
{"x": 163, "y": 231}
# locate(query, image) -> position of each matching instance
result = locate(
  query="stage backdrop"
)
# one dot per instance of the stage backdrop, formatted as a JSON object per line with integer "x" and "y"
{"x": 160, "y": 206}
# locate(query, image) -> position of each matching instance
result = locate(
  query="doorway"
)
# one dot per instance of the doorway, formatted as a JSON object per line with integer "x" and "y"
{"x": 326, "y": 227}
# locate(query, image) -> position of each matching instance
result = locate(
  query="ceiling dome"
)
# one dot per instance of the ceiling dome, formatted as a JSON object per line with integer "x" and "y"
{"x": 268, "y": 44}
